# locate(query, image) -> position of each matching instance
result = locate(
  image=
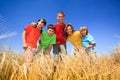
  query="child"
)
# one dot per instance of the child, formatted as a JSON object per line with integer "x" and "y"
{"x": 74, "y": 37}
{"x": 88, "y": 43}
{"x": 60, "y": 46}
{"x": 47, "y": 39}
{"x": 30, "y": 36}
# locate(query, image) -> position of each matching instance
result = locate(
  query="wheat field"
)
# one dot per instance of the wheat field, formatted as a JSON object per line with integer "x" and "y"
{"x": 70, "y": 68}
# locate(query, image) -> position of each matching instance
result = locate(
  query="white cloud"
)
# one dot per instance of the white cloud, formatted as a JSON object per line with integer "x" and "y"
{"x": 8, "y": 35}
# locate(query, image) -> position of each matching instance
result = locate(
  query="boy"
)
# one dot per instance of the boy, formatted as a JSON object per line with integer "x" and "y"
{"x": 60, "y": 46}
{"x": 88, "y": 43}
{"x": 47, "y": 39}
{"x": 30, "y": 36}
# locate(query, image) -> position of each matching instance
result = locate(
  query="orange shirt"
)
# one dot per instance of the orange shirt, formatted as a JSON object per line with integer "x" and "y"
{"x": 32, "y": 35}
{"x": 59, "y": 33}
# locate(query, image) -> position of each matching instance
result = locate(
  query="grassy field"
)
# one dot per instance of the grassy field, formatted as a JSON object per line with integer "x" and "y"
{"x": 70, "y": 68}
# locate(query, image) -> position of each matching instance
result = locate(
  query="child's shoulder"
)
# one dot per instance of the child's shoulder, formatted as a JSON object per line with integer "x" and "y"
{"x": 33, "y": 24}
{"x": 44, "y": 32}
{"x": 77, "y": 31}
{"x": 54, "y": 35}
{"x": 89, "y": 35}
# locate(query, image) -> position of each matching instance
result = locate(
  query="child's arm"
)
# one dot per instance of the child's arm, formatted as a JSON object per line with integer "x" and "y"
{"x": 92, "y": 42}
{"x": 24, "y": 39}
{"x": 34, "y": 24}
{"x": 90, "y": 46}
{"x": 49, "y": 48}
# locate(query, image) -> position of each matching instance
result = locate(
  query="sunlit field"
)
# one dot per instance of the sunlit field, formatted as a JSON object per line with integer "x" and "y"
{"x": 12, "y": 67}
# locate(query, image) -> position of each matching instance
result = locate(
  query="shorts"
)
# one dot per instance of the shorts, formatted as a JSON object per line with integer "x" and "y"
{"x": 42, "y": 52}
{"x": 93, "y": 57}
{"x": 58, "y": 50}
{"x": 29, "y": 53}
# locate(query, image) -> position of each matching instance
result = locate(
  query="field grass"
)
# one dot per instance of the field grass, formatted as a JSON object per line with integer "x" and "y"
{"x": 70, "y": 68}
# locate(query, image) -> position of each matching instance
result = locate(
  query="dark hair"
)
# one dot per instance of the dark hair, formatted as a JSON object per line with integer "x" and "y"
{"x": 61, "y": 12}
{"x": 43, "y": 21}
{"x": 65, "y": 29}
{"x": 51, "y": 26}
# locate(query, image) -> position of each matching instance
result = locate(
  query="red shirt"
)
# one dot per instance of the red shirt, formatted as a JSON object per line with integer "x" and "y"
{"x": 32, "y": 35}
{"x": 59, "y": 33}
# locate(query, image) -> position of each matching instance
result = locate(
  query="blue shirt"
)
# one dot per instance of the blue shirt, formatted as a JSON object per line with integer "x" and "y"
{"x": 87, "y": 40}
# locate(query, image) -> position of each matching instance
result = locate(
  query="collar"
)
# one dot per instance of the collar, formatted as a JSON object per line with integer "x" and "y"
{"x": 87, "y": 35}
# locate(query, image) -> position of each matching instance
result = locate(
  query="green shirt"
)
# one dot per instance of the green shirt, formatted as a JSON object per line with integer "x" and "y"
{"x": 46, "y": 40}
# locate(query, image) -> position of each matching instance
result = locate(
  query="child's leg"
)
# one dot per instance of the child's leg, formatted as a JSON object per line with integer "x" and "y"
{"x": 29, "y": 56}
{"x": 76, "y": 51}
{"x": 63, "y": 49}
{"x": 84, "y": 57}
{"x": 40, "y": 52}
{"x": 62, "y": 52}
{"x": 46, "y": 53}
{"x": 93, "y": 57}
{"x": 56, "y": 52}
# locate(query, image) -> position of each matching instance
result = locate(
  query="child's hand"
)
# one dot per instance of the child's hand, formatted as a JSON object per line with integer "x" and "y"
{"x": 86, "y": 49}
{"x": 34, "y": 24}
{"x": 25, "y": 46}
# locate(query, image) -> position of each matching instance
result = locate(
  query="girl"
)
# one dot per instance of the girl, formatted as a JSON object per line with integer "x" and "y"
{"x": 30, "y": 36}
{"x": 74, "y": 37}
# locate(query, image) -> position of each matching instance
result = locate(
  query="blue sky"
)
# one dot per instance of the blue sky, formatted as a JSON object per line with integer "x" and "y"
{"x": 102, "y": 17}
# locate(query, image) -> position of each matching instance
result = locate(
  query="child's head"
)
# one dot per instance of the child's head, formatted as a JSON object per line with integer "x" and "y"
{"x": 60, "y": 16}
{"x": 83, "y": 30}
{"x": 41, "y": 23}
{"x": 50, "y": 29}
{"x": 68, "y": 30}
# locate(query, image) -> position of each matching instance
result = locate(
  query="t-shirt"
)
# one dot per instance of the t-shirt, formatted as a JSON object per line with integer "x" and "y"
{"x": 46, "y": 40}
{"x": 87, "y": 40}
{"x": 32, "y": 35}
{"x": 59, "y": 33}
{"x": 75, "y": 39}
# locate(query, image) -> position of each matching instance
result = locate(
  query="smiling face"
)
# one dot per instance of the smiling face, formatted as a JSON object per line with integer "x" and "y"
{"x": 50, "y": 31}
{"x": 84, "y": 32}
{"x": 60, "y": 18}
{"x": 69, "y": 30}
{"x": 40, "y": 24}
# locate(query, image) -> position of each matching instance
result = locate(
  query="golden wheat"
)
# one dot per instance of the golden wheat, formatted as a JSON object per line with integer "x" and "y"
{"x": 12, "y": 67}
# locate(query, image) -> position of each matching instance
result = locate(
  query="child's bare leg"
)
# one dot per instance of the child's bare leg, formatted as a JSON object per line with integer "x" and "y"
{"x": 56, "y": 60}
{"x": 28, "y": 57}
{"x": 93, "y": 57}
{"x": 55, "y": 65}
